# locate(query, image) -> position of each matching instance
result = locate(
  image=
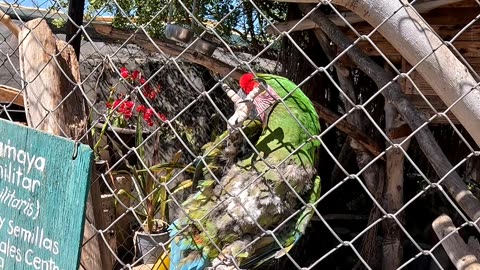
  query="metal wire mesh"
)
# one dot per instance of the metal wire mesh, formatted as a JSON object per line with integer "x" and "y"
{"x": 154, "y": 102}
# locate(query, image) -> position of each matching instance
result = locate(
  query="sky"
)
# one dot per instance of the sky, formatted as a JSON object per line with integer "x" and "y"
{"x": 30, "y": 3}
{"x": 44, "y": 4}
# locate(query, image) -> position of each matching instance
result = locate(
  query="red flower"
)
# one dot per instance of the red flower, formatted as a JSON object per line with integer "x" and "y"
{"x": 140, "y": 108}
{"x": 135, "y": 74}
{"x": 123, "y": 107}
{"x": 128, "y": 109}
{"x": 150, "y": 94}
{"x": 142, "y": 80}
{"x": 115, "y": 103}
{"x": 129, "y": 104}
{"x": 124, "y": 72}
{"x": 162, "y": 117}
{"x": 147, "y": 116}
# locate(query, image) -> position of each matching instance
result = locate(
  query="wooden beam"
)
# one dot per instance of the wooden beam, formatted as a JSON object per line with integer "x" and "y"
{"x": 75, "y": 15}
{"x": 160, "y": 46}
{"x": 350, "y": 17}
{"x": 11, "y": 95}
{"x": 458, "y": 252}
{"x": 7, "y": 21}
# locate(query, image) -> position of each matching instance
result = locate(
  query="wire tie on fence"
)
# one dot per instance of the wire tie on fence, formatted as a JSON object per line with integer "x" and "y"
{"x": 75, "y": 149}
{"x": 435, "y": 185}
{"x": 471, "y": 223}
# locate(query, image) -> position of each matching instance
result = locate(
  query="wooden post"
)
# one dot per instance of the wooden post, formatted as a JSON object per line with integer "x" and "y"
{"x": 393, "y": 195}
{"x": 75, "y": 13}
{"x": 456, "y": 249}
{"x": 54, "y": 103}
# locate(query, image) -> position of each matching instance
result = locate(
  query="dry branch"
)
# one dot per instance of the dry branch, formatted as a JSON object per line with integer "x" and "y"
{"x": 10, "y": 95}
{"x": 159, "y": 46}
{"x": 393, "y": 94}
{"x": 350, "y": 17}
{"x": 458, "y": 252}
{"x": 7, "y": 21}
{"x": 330, "y": 117}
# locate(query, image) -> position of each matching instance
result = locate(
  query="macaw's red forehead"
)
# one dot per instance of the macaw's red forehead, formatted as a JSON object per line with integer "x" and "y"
{"x": 247, "y": 82}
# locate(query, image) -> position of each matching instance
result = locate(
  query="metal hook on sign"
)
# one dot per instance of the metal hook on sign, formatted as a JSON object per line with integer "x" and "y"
{"x": 75, "y": 149}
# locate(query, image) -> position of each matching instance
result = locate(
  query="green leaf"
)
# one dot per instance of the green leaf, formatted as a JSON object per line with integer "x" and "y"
{"x": 183, "y": 185}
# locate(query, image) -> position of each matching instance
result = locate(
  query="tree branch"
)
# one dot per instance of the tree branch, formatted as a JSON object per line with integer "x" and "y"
{"x": 215, "y": 65}
{"x": 330, "y": 117}
{"x": 394, "y": 95}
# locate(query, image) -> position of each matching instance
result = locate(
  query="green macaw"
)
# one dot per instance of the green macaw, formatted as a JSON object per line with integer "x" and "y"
{"x": 258, "y": 208}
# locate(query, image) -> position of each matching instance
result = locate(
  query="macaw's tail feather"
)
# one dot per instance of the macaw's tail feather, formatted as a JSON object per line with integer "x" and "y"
{"x": 268, "y": 249}
{"x": 184, "y": 253}
{"x": 163, "y": 263}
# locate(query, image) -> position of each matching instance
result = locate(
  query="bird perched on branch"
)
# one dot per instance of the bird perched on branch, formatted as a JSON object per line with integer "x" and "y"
{"x": 260, "y": 206}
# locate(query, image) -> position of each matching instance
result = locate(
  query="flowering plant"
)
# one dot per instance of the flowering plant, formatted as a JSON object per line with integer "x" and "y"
{"x": 128, "y": 111}
{"x": 124, "y": 106}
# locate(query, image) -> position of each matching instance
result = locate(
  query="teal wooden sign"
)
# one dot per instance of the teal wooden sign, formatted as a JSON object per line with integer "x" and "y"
{"x": 44, "y": 180}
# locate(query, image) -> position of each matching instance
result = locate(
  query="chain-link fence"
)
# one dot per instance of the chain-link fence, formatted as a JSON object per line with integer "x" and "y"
{"x": 177, "y": 176}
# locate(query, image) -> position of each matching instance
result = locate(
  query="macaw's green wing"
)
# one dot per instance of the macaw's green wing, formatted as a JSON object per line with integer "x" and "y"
{"x": 267, "y": 248}
{"x": 213, "y": 153}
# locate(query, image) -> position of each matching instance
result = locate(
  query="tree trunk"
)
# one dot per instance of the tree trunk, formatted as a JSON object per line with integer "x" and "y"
{"x": 393, "y": 196}
{"x": 417, "y": 42}
{"x": 54, "y": 103}
{"x": 372, "y": 175}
